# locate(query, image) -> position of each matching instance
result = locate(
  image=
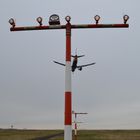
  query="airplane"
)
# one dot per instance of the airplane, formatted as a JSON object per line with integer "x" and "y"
{"x": 74, "y": 63}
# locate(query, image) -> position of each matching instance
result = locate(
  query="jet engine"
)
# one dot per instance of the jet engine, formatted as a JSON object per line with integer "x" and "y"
{"x": 80, "y": 68}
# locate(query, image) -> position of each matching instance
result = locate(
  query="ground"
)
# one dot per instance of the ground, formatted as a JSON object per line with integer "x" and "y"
{"x": 14, "y": 134}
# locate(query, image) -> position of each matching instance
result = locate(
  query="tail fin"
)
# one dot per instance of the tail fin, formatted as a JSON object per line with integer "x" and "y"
{"x": 76, "y": 54}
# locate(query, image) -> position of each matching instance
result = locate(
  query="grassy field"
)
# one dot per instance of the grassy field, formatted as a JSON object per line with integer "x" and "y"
{"x": 109, "y": 135}
{"x": 82, "y": 135}
{"x": 9, "y": 134}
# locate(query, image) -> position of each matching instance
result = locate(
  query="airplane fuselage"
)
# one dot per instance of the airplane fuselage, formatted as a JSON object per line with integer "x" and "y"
{"x": 74, "y": 64}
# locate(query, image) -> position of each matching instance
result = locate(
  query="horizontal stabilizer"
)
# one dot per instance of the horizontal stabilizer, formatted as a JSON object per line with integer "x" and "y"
{"x": 77, "y": 56}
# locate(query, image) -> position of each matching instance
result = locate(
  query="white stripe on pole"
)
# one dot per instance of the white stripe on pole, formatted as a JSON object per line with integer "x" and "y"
{"x": 68, "y": 132}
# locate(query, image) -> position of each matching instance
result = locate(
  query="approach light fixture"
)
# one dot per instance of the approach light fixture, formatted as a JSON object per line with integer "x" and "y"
{"x": 97, "y": 18}
{"x": 68, "y": 18}
{"x": 12, "y": 22}
{"x": 125, "y": 18}
{"x": 39, "y": 20}
{"x": 54, "y": 20}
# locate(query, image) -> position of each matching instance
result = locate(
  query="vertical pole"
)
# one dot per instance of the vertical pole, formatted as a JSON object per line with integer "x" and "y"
{"x": 68, "y": 94}
{"x": 75, "y": 124}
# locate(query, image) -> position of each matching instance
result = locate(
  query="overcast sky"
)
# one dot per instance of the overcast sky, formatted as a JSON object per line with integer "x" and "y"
{"x": 32, "y": 86}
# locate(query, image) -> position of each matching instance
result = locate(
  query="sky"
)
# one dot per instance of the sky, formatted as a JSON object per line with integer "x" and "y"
{"x": 32, "y": 86}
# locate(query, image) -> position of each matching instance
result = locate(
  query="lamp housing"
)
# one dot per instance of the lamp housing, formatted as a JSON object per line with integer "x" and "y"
{"x": 125, "y": 18}
{"x": 39, "y": 20}
{"x": 68, "y": 18}
{"x": 97, "y": 18}
{"x": 54, "y": 20}
{"x": 12, "y": 22}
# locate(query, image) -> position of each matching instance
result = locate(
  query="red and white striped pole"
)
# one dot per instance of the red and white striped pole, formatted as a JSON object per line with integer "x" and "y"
{"x": 68, "y": 27}
{"x": 68, "y": 93}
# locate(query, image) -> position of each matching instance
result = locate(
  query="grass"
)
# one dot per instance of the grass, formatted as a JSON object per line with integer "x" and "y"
{"x": 15, "y": 134}
{"x": 10, "y": 134}
{"x": 109, "y": 135}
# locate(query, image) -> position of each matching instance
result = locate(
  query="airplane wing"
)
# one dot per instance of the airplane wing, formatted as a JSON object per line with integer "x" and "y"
{"x": 85, "y": 65}
{"x": 59, "y": 63}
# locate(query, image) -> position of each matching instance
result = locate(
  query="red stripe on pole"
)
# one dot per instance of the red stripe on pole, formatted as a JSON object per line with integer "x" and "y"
{"x": 68, "y": 118}
{"x": 68, "y": 42}
{"x": 68, "y": 52}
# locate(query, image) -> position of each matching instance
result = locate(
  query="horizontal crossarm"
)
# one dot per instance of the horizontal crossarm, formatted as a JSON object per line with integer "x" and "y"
{"x": 30, "y": 28}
